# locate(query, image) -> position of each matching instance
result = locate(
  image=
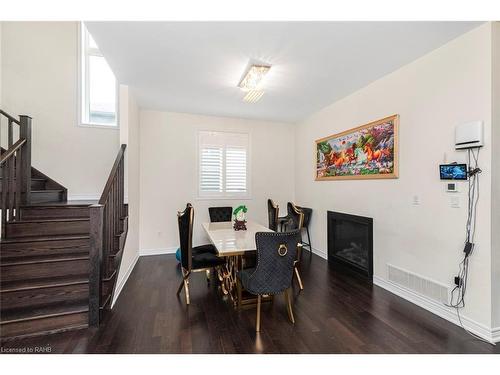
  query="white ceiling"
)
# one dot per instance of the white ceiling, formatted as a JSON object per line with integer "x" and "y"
{"x": 195, "y": 67}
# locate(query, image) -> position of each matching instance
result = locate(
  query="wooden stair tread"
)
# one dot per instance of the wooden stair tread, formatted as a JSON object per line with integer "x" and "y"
{"x": 45, "y": 238}
{"x": 14, "y": 286}
{"x": 85, "y": 203}
{"x": 48, "y": 220}
{"x": 44, "y": 312}
{"x": 48, "y": 259}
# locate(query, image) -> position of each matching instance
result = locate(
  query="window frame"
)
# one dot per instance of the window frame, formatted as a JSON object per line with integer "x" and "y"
{"x": 224, "y": 195}
{"x": 83, "y": 63}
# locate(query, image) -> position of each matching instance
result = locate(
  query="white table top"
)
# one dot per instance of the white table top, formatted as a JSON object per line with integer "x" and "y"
{"x": 231, "y": 242}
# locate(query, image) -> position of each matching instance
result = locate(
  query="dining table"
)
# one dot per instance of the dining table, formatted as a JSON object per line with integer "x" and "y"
{"x": 236, "y": 246}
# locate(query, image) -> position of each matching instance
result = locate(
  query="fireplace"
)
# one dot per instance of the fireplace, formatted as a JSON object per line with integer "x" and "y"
{"x": 350, "y": 242}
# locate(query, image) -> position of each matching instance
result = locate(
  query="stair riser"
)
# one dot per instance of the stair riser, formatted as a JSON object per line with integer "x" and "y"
{"x": 28, "y": 250}
{"x": 46, "y": 197}
{"x": 16, "y": 230}
{"x": 33, "y": 298}
{"x": 19, "y": 272}
{"x": 45, "y": 325}
{"x": 33, "y": 213}
{"x": 35, "y": 184}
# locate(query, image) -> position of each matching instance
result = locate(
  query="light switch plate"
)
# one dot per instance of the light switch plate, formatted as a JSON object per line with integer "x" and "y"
{"x": 455, "y": 202}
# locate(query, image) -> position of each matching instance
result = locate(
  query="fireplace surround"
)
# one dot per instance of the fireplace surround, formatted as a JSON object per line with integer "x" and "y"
{"x": 350, "y": 242}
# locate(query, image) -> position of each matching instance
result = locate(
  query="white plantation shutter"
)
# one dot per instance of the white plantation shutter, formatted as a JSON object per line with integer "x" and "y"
{"x": 211, "y": 171}
{"x": 236, "y": 170}
{"x": 223, "y": 164}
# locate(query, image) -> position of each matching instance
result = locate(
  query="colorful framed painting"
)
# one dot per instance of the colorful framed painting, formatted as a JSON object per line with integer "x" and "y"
{"x": 366, "y": 152}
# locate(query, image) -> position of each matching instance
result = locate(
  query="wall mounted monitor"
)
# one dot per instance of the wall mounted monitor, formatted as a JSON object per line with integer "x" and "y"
{"x": 453, "y": 172}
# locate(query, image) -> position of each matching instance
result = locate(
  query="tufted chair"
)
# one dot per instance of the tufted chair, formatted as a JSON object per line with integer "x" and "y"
{"x": 272, "y": 213}
{"x": 218, "y": 214}
{"x": 273, "y": 274}
{"x": 193, "y": 259}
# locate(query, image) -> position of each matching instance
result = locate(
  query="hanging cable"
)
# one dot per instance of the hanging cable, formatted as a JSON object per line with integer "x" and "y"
{"x": 457, "y": 298}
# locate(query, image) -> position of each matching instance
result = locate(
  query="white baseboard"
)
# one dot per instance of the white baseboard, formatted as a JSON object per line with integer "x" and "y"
{"x": 321, "y": 253}
{"x": 439, "y": 310}
{"x": 161, "y": 251}
{"x": 495, "y": 334}
{"x": 123, "y": 281}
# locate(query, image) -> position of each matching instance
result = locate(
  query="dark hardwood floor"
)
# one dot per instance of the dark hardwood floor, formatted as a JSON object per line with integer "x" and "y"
{"x": 335, "y": 313}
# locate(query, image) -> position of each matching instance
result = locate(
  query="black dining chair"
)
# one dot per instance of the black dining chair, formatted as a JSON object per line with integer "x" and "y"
{"x": 307, "y": 219}
{"x": 193, "y": 259}
{"x": 295, "y": 223}
{"x": 273, "y": 274}
{"x": 272, "y": 213}
{"x": 218, "y": 214}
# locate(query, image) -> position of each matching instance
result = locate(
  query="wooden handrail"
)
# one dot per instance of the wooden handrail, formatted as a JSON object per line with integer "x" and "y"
{"x": 108, "y": 231}
{"x": 13, "y": 119}
{"x": 109, "y": 183}
{"x": 11, "y": 151}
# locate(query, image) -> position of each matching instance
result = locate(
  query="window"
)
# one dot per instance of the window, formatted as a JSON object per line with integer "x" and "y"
{"x": 223, "y": 165}
{"x": 98, "y": 85}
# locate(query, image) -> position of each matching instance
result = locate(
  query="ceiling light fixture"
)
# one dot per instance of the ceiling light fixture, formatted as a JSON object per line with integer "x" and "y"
{"x": 253, "y": 77}
{"x": 253, "y": 95}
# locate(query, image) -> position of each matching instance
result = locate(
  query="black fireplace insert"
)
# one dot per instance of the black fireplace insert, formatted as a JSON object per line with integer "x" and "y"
{"x": 350, "y": 242}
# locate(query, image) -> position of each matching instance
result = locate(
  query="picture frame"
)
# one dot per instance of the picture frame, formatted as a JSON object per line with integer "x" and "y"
{"x": 368, "y": 151}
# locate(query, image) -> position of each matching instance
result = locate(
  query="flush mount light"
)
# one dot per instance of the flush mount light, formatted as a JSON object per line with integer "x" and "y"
{"x": 253, "y": 77}
{"x": 253, "y": 95}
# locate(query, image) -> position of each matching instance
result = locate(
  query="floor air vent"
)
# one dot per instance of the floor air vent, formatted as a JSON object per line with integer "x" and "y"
{"x": 418, "y": 284}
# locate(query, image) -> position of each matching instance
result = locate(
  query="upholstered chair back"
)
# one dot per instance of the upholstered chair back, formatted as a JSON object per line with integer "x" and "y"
{"x": 307, "y": 215}
{"x": 186, "y": 221}
{"x": 296, "y": 217}
{"x": 218, "y": 214}
{"x": 272, "y": 213}
{"x": 276, "y": 253}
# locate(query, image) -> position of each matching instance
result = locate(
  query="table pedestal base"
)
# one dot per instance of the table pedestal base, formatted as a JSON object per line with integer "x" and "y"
{"x": 227, "y": 277}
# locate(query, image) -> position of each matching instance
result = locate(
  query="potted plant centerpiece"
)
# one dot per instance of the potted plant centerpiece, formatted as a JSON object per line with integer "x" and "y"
{"x": 240, "y": 218}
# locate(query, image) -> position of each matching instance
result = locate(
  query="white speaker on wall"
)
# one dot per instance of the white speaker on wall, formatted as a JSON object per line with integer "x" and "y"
{"x": 469, "y": 135}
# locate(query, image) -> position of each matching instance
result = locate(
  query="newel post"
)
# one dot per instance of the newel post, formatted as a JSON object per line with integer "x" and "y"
{"x": 95, "y": 258}
{"x": 25, "y": 172}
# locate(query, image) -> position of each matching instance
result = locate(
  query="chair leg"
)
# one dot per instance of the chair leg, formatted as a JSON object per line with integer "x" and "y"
{"x": 186, "y": 289}
{"x": 182, "y": 282}
{"x": 180, "y": 286}
{"x": 289, "y": 305}
{"x": 257, "y": 329}
{"x": 238, "y": 288}
{"x": 299, "y": 280}
{"x": 309, "y": 240}
{"x": 185, "y": 284}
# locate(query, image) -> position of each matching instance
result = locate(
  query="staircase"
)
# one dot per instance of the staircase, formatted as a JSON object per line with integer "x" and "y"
{"x": 58, "y": 260}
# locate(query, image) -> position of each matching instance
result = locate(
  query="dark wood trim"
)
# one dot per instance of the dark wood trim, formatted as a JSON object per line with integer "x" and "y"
{"x": 25, "y": 132}
{"x": 95, "y": 257}
{"x": 12, "y": 150}
{"x": 13, "y": 119}
{"x": 109, "y": 184}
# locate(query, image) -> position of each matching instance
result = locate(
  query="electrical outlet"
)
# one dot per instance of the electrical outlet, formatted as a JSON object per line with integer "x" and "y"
{"x": 416, "y": 200}
{"x": 455, "y": 202}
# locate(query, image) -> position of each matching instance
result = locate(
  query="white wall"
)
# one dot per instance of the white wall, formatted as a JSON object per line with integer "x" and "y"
{"x": 1, "y": 23}
{"x": 495, "y": 204}
{"x": 39, "y": 78}
{"x": 129, "y": 135}
{"x": 169, "y": 172}
{"x": 449, "y": 86}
